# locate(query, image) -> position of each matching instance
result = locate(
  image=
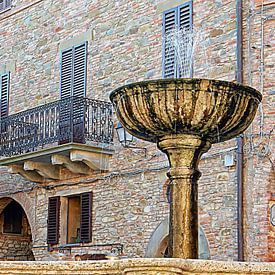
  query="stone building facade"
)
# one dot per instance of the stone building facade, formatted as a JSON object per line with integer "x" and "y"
{"x": 129, "y": 202}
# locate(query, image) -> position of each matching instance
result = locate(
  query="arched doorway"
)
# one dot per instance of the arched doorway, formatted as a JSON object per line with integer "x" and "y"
{"x": 15, "y": 232}
{"x": 158, "y": 243}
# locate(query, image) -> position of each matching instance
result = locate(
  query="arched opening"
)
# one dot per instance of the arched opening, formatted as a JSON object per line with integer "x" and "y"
{"x": 15, "y": 232}
{"x": 158, "y": 243}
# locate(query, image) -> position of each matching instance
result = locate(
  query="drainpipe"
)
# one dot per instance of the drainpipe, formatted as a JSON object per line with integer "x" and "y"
{"x": 239, "y": 140}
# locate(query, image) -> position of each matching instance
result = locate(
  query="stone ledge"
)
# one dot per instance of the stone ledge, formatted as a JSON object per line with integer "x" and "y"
{"x": 137, "y": 266}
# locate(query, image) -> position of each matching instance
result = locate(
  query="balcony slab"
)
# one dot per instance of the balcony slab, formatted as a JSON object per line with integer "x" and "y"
{"x": 50, "y": 163}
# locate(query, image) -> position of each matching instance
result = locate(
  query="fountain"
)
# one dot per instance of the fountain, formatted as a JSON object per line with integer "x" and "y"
{"x": 184, "y": 117}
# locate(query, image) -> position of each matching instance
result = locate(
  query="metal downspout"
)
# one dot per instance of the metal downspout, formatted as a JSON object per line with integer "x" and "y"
{"x": 239, "y": 140}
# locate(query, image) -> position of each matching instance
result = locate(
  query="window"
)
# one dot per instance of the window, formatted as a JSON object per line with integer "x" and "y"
{"x": 78, "y": 218}
{"x": 4, "y": 100}
{"x": 179, "y": 18}
{"x": 73, "y": 227}
{"x": 5, "y": 4}
{"x": 73, "y": 84}
{"x": 73, "y": 71}
{"x": 13, "y": 218}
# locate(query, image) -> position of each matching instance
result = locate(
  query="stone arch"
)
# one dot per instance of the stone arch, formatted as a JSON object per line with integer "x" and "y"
{"x": 15, "y": 245}
{"x": 159, "y": 241}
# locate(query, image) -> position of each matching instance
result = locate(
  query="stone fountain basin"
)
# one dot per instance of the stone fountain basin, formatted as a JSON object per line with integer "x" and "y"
{"x": 213, "y": 110}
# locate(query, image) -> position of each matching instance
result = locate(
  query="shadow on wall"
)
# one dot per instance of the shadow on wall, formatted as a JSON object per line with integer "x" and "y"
{"x": 158, "y": 243}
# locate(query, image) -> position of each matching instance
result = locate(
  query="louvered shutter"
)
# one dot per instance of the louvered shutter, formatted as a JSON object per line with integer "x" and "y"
{"x": 2, "y": 5}
{"x": 79, "y": 70}
{"x": 179, "y": 17}
{"x": 73, "y": 71}
{"x": 185, "y": 16}
{"x": 53, "y": 220}
{"x": 169, "y": 23}
{"x": 8, "y": 3}
{"x": 86, "y": 217}
{"x": 79, "y": 91}
{"x": 5, "y": 86}
{"x": 66, "y": 74}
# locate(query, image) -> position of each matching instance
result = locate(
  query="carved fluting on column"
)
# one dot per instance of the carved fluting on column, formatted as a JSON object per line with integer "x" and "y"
{"x": 184, "y": 152}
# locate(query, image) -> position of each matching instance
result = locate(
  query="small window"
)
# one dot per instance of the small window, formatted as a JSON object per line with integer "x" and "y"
{"x": 5, "y": 4}
{"x": 13, "y": 218}
{"x": 78, "y": 217}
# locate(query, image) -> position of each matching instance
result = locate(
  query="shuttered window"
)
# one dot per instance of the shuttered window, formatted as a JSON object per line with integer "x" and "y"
{"x": 73, "y": 71}
{"x": 5, "y": 87}
{"x": 53, "y": 220}
{"x": 179, "y": 17}
{"x": 86, "y": 217}
{"x": 5, "y": 4}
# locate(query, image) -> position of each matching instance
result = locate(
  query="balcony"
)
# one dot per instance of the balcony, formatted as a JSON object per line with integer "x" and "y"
{"x": 58, "y": 140}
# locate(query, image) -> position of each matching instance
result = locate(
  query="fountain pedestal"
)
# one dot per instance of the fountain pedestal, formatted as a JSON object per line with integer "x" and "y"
{"x": 184, "y": 152}
{"x": 184, "y": 117}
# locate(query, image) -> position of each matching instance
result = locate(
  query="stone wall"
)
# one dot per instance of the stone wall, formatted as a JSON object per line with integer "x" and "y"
{"x": 124, "y": 45}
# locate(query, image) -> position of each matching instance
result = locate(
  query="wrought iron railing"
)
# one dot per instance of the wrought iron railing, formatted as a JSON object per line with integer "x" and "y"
{"x": 68, "y": 120}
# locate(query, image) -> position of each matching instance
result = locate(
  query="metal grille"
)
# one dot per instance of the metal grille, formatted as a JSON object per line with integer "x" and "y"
{"x": 74, "y": 119}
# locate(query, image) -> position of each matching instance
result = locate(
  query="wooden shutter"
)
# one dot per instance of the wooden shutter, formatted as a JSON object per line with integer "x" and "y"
{"x": 66, "y": 73}
{"x": 8, "y": 3}
{"x": 73, "y": 71}
{"x": 79, "y": 70}
{"x": 179, "y": 17}
{"x": 168, "y": 57}
{"x": 185, "y": 15}
{"x": 4, "y": 4}
{"x": 86, "y": 217}
{"x": 53, "y": 220}
{"x": 5, "y": 86}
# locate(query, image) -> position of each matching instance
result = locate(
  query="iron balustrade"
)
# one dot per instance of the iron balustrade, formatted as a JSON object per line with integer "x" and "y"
{"x": 74, "y": 119}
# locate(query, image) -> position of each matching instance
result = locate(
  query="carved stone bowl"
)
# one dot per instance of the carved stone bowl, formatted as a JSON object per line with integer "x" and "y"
{"x": 213, "y": 110}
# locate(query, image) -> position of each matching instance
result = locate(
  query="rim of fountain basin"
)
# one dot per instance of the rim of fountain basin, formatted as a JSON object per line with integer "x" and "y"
{"x": 237, "y": 87}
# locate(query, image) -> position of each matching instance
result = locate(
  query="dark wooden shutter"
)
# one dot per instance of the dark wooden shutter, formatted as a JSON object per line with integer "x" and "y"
{"x": 79, "y": 90}
{"x": 79, "y": 70}
{"x": 168, "y": 56}
{"x": 66, "y": 74}
{"x": 53, "y": 220}
{"x": 73, "y": 71}
{"x": 5, "y": 87}
{"x": 86, "y": 217}
{"x": 179, "y": 17}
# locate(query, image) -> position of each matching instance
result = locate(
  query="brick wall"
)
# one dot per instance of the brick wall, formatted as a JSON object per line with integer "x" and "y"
{"x": 124, "y": 46}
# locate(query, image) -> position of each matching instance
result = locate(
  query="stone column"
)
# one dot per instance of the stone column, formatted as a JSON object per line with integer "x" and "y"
{"x": 184, "y": 152}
